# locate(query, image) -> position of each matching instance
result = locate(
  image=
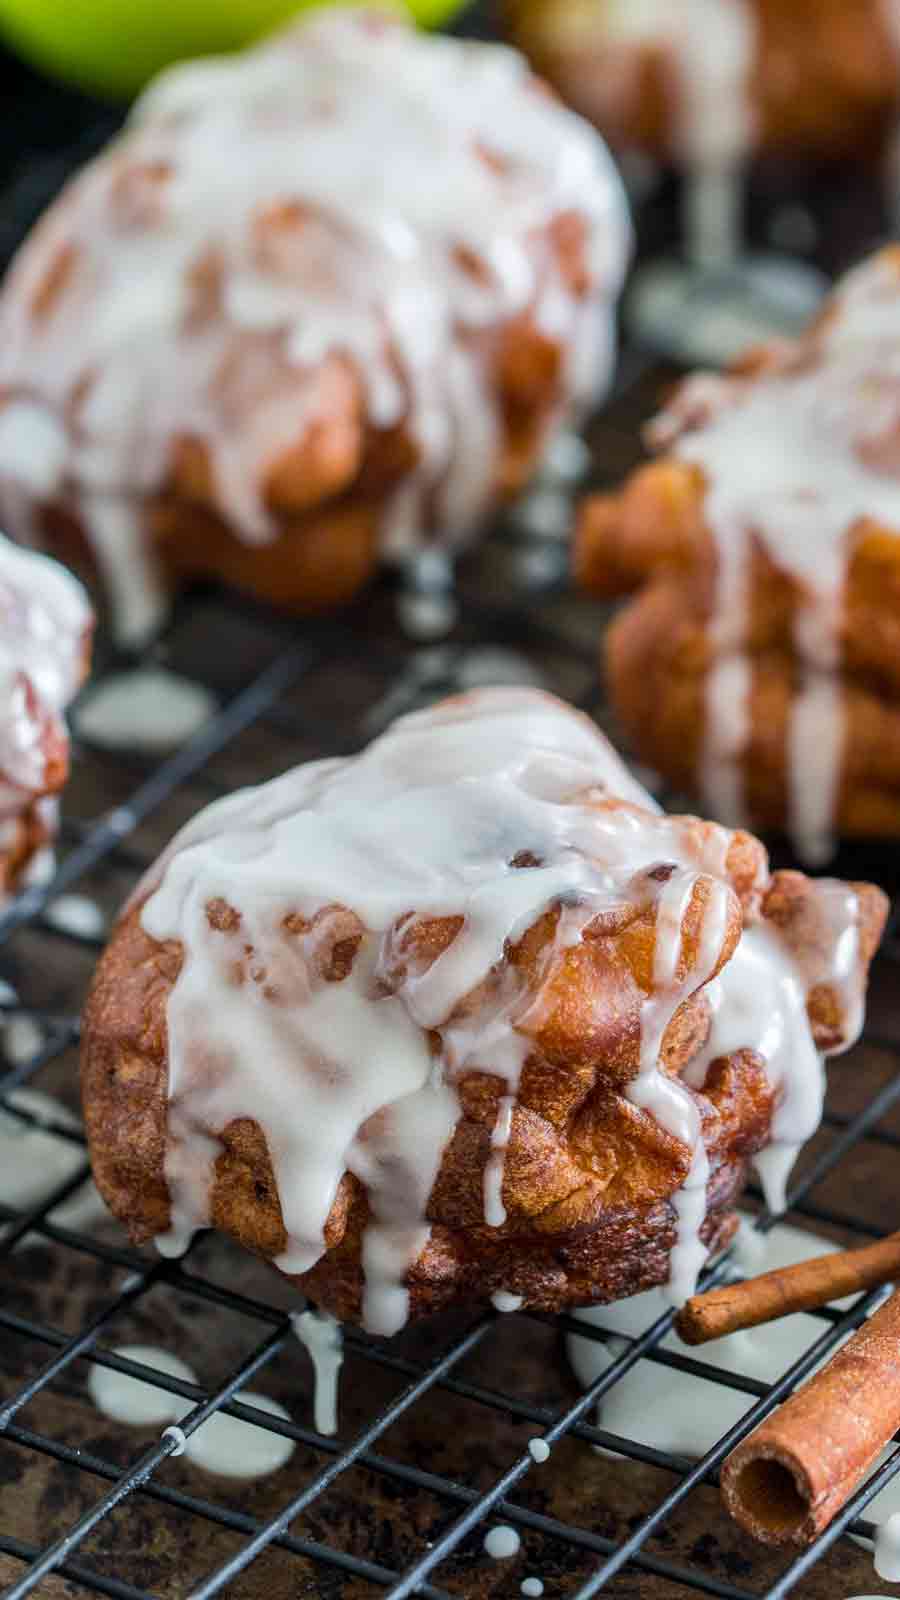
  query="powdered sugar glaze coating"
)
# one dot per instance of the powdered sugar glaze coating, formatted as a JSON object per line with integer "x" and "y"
{"x": 45, "y": 632}
{"x": 372, "y": 947}
{"x": 797, "y": 460}
{"x": 707, "y": 82}
{"x": 344, "y": 193}
{"x": 45, "y": 625}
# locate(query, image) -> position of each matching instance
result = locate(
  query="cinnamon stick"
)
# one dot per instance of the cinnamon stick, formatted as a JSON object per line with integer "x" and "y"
{"x": 786, "y": 1481}
{"x": 774, "y": 1294}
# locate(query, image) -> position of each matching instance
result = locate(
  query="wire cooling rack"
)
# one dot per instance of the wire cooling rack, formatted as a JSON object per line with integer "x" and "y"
{"x": 435, "y": 1425}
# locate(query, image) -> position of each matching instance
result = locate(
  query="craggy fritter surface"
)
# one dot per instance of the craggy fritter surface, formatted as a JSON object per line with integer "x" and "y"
{"x": 825, "y": 80}
{"x": 333, "y": 466}
{"x": 30, "y": 821}
{"x": 588, "y": 1176}
{"x": 325, "y": 494}
{"x": 653, "y": 537}
{"x": 659, "y": 649}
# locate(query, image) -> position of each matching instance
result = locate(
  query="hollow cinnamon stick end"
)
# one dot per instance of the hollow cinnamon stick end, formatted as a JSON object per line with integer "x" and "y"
{"x": 691, "y": 1324}
{"x": 768, "y": 1493}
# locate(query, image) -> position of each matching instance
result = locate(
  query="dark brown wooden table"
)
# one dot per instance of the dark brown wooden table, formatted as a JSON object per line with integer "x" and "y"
{"x": 434, "y": 1423}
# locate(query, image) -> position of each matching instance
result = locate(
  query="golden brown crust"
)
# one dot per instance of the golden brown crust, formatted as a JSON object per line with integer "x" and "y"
{"x": 326, "y": 493}
{"x": 29, "y": 820}
{"x": 588, "y": 1177}
{"x": 656, "y": 536}
{"x": 824, "y": 83}
{"x": 585, "y": 1170}
{"x": 659, "y": 651}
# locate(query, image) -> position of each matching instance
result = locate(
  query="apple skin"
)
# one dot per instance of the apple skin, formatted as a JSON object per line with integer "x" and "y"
{"x": 112, "y": 47}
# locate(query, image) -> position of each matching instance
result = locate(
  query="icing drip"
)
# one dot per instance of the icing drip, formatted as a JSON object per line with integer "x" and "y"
{"x": 758, "y": 1002}
{"x": 494, "y": 1209}
{"x": 665, "y": 1097}
{"x": 322, "y": 1337}
{"x": 727, "y": 689}
{"x": 839, "y": 905}
{"x": 503, "y": 1301}
{"x": 887, "y": 1550}
{"x": 714, "y": 44}
{"x": 709, "y": 46}
{"x": 343, "y": 193}
{"x": 502, "y": 1543}
{"x": 303, "y": 1002}
{"x": 44, "y": 623}
{"x": 794, "y": 461}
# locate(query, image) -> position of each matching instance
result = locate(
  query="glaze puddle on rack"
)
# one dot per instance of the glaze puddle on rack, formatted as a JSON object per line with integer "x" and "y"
{"x": 438, "y": 1429}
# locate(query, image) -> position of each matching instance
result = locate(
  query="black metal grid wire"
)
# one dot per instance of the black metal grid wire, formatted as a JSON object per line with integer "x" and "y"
{"x": 264, "y": 671}
{"x": 108, "y": 843}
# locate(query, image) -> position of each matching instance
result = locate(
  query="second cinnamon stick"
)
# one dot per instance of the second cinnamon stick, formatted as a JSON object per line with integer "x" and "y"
{"x": 786, "y": 1481}
{"x": 774, "y": 1294}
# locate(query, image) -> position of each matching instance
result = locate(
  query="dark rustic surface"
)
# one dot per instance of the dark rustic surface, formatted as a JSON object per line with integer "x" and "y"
{"x": 354, "y": 673}
{"x": 364, "y": 670}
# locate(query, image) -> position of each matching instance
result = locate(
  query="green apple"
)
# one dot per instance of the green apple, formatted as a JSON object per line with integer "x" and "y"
{"x": 112, "y": 47}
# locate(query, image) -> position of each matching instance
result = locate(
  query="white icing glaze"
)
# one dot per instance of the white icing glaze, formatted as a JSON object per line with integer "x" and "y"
{"x": 636, "y": 21}
{"x": 838, "y": 904}
{"x": 174, "y": 1243}
{"x": 44, "y": 619}
{"x": 223, "y": 1444}
{"x": 323, "y": 1339}
{"x": 794, "y": 461}
{"x": 684, "y": 1414}
{"x": 545, "y": 513}
{"x": 666, "y": 1097}
{"x": 567, "y": 460}
{"x": 503, "y": 1301}
{"x": 748, "y": 1249}
{"x": 711, "y": 47}
{"x": 22, "y": 1039}
{"x": 134, "y": 1400}
{"x": 714, "y": 43}
{"x": 493, "y": 808}
{"x": 676, "y": 1411}
{"x": 77, "y": 914}
{"x": 887, "y": 1550}
{"x": 35, "y": 1161}
{"x": 425, "y": 617}
{"x": 351, "y": 189}
{"x": 760, "y": 996}
{"x": 236, "y": 1449}
{"x": 147, "y": 709}
{"x": 502, "y": 1543}
{"x": 886, "y": 1504}
{"x": 539, "y": 1450}
{"x": 494, "y": 1209}
{"x": 532, "y": 1588}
